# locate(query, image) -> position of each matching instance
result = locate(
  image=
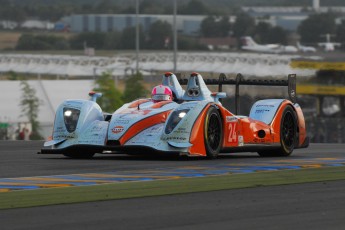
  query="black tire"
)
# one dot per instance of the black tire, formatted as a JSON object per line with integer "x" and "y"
{"x": 79, "y": 155}
{"x": 288, "y": 135}
{"x": 213, "y": 133}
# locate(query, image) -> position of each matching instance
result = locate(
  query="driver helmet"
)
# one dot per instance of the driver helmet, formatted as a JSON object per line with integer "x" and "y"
{"x": 161, "y": 93}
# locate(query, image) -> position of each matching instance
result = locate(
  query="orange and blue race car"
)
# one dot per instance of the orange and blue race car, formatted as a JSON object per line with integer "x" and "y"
{"x": 194, "y": 124}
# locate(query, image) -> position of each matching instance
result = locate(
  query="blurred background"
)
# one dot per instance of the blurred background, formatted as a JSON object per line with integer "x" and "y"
{"x": 53, "y": 50}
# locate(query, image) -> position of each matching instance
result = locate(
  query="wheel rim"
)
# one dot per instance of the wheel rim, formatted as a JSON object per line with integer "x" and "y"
{"x": 213, "y": 132}
{"x": 288, "y": 131}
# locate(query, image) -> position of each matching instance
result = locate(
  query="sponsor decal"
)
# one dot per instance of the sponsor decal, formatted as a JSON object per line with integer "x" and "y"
{"x": 261, "y": 110}
{"x": 63, "y": 136}
{"x": 181, "y": 132}
{"x": 240, "y": 140}
{"x": 121, "y": 121}
{"x": 96, "y": 128}
{"x": 231, "y": 119}
{"x": 117, "y": 129}
{"x": 174, "y": 139}
{"x": 259, "y": 105}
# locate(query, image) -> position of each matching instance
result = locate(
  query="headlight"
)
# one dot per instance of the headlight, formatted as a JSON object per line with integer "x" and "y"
{"x": 182, "y": 114}
{"x": 67, "y": 113}
{"x": 174, "y": 119}
{"x": 71, "y": 117}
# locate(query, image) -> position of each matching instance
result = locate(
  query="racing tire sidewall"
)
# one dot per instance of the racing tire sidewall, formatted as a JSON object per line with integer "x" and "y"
{"x": 287, "y": 148}
{"x": 213, "y": 113}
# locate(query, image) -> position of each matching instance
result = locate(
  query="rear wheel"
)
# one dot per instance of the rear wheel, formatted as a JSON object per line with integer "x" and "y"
{"x": 288, "y": 135}
{"x": 213, "y": 133}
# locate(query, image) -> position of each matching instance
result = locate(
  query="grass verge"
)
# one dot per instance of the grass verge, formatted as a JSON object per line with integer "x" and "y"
{"x": 67, "y": 195}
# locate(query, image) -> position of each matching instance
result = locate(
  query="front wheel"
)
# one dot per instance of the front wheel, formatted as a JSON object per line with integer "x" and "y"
{"x": 213, "y": 133}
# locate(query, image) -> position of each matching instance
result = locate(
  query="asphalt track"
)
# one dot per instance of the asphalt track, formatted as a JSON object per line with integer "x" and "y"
{"x": 302, "y": 206}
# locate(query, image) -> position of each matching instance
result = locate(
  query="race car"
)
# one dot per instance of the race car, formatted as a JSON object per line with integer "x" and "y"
{"x": 195, "y": 123}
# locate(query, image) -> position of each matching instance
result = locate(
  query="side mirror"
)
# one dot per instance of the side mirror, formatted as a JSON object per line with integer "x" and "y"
{"x": 94, "y": 95}
{"x": 217, "y": 96}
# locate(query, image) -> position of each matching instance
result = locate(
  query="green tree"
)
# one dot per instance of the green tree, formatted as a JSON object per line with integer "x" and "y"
{"x": 316, "y": 25}
{"x": 193, "y": 7}
{"x": 215, "y": 27}
{"x": 243, "y": 26}
{"x": 26, "y": 42}
{"x": 189, "y": 43}
{"x": 12, "y": 13}
{"x": 277, "y": 35}
{"x": 224, "y": 26}
{"x": 13, "y": 76}
{"x": 134, "y": 88}
{"x": 157, "y": 34}
{"x": 91, "y": 39}
{"x": 127, "y": 40}
{"x": 260, "y": 32}
{"x": 104, "y": 6}
{"x": 151, "y": 7}
{"x": 30, "y": 108}
{"x": 112, "y": 40}
{"x": 208, "y": 27}
{"x": 265, "y": 33}
{"x": 41, "y": 42}
{"x": 111, "y": 98}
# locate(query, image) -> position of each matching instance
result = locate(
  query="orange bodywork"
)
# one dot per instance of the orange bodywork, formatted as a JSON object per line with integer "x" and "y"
{"x": 301, "y": 129}
{"x": 236, "y": 131}
{"x": 301, "y": 126}
{"x": 144, "y": 124}
{"x": 241, "y": 130}
{"x": 197, "y": 135}
{"x": 249, "y": 130}
{"x": 147, "y": 122}
{"x": 138, "y": 102}
{"x": 160, "y": 104}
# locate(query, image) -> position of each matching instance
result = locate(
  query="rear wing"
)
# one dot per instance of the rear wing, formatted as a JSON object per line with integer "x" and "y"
{"x": 239, "y": 80}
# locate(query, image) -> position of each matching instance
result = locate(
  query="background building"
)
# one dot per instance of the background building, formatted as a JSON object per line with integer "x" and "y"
{"x": 288, "y": 18}
{"x": 186, "y": 24}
